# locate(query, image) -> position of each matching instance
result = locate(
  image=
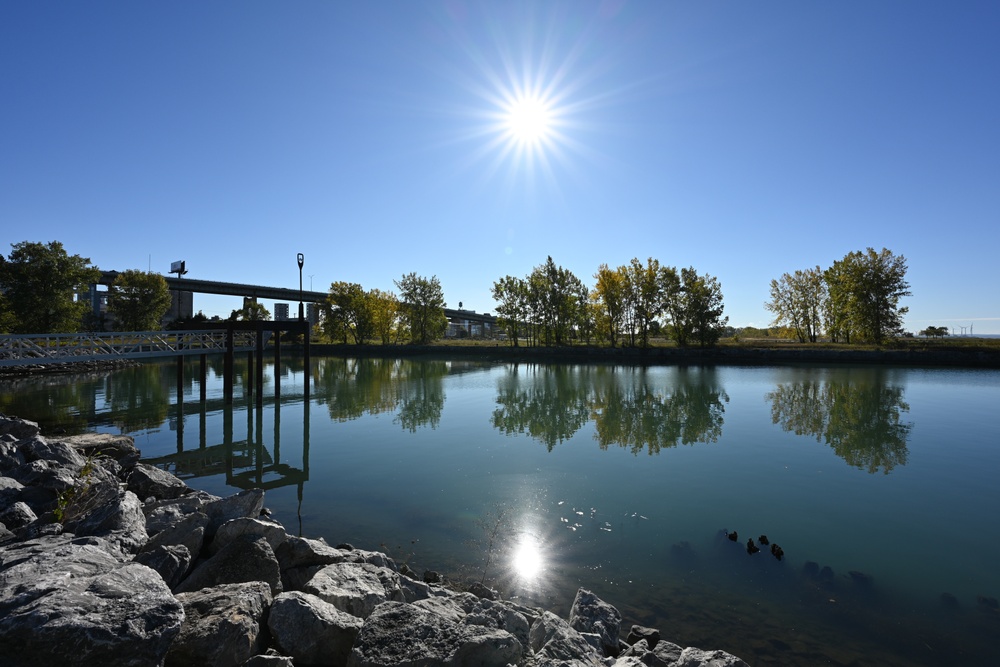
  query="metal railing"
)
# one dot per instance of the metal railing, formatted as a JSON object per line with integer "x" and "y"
{"x": 27, "y": 349}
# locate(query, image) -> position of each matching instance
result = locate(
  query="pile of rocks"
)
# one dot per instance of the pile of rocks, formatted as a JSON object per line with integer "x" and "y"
{"x": 105, "y": 560}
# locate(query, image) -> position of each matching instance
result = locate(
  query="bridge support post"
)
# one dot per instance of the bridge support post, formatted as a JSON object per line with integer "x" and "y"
{"x": 260, "y": 366}
{"x": 277, "y": 367}
{"x": 305, "y": 345}
{"x": 202, "y": 371}
{"x": 228, "y": 367}
{"x": 180, "y": 380}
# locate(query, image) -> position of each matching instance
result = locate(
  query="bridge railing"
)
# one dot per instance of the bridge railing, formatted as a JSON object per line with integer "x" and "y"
{"x": 27, "y": 349}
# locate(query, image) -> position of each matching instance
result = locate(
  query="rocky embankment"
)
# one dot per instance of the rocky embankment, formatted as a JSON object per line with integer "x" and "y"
{"x": 108, "y": 561}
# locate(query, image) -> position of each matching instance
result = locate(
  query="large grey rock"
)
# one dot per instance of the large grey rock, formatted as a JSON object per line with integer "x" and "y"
{"x": 555, "y": 642}
{"x": 171, "y": 562}
{"x": 242, "y": 560}
{"x": 222, "y": 625}
{"x": 298, "y": 552}
{"x": 41, "y": 449}
{"x": 119, "y": 518}
{"x": 120, "y": 448}
{"x": 356, "y": 588}
{"x": 663, "y": 653}
{"x": 271, "y": 531}
{"x": 10, "y": 456}
{"x": 696, "y": 657}
{"x": 17, "y": 515}
{"x": 591, "y": 614}
{"x": 246, "y": 503}
{"x": 312, "y": 631}
{"x": 406, "y": 636}
{"x": 48, "y": 475}
{"x": 22, "y": 429}
{"x": 162, "y": 514}
{"x": 71, "y": 601}
{"x": 189, "y": 531}
{"x": 471, "y": 610}
{"x": 149, "y": 481}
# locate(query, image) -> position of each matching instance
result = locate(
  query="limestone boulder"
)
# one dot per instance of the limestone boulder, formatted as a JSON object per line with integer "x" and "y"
{"x": 171, "y": 562}
{"x": 663, "y": 653}
{"x": 404, "y": 635}
{"x": 555, "y": 642}
{"x": 65, "y": 599}
{"x": 118, "y": 518}
{"x": 17, "y": 515}
{"x": 271, "y": 531}
{"x": 312, "y": 631}
{"x": 222, "y": 625}
{"x": 296, "y": 552}
{"x": 355, "y": 588}
{"x": 20, "y": 429}
{"x": 696, "y": 657}
{"x": 189, "y": 531}
{"x": 162, "y": 514}
{"x": 120, "y": 448}
{"x": 10, "y": 456}
{"x": 471, "y": 610}
{"x": 148, "y": 481}
{"x": 39, "y": 448}
{"x": 590, "y": 614}
{"x": 242, "y": 560}
{"x": 246, "y": 503}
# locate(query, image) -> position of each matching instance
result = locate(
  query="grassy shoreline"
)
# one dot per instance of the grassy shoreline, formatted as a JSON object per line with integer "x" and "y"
{"x": 968, "y": 353}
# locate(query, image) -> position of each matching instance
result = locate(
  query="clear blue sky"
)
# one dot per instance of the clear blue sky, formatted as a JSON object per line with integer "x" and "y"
{"x": 746, "y": 139}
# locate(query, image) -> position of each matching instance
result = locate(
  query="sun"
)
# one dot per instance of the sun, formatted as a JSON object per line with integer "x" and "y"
{"x": 528, "y": 120}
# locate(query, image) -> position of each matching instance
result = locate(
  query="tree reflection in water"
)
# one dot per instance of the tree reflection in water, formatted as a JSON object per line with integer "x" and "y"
{"x": 859, "y": 416}
{"x": 629, "y": 409}
{"x": 633, "y": 412}
{"x": 549, "y": 403}
{"x": 138, "y": 398}
{"x": 351, "y": 388}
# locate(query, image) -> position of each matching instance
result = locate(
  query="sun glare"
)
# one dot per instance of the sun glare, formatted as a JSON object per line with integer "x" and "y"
{"x": 527, "y": 561}
{"x": 528, "y": 120}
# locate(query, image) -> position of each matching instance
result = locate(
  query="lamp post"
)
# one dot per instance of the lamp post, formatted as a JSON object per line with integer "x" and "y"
{"x": 302, "y": 260}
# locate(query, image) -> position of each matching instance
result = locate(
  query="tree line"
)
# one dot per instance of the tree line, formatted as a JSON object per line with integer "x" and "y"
{"x": 41, "y": 284}
{"x": 857, "y": 299}
{"x": 854, "y": 300}
{"x": 627, "y": 306}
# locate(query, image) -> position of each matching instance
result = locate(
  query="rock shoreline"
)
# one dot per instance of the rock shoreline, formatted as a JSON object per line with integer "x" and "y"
{"x": 106, "y": 560}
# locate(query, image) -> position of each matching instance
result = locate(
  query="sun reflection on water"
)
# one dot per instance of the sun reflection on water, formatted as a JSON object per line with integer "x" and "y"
{"x": 527, "y": 560}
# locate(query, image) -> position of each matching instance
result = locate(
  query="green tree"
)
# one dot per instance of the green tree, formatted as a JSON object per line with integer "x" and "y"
{"x": 611, "y": 298}
{"x": 384, "y": 313}
{"x": 138, "y": 300}
{"x": 354, "y": 313}
{"x": 695, "y": 306}
{"x": 251, "y": 312}
{"x": 511, "y": 295}
{"x": 865, "y": 289}
{"x": 556, "y": 297}
{"x": 40, "y": 282}
{"x": 797, "y": 301}
{"x": 423, "y": 307}
{"x": 648, "y": 294}
{"x": 934, "y": 332}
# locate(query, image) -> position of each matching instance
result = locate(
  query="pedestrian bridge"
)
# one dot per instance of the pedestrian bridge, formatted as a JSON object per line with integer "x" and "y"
{"x": 32, "y": 349}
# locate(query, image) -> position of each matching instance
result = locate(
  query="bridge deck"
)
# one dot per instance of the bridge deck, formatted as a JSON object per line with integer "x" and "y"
{"x": 29, "y": 349}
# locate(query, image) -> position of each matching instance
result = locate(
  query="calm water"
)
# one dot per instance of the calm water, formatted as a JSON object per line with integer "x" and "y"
{"x": 880, "y": 485}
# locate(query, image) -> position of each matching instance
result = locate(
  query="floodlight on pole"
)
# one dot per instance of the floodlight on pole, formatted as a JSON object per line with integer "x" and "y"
{"x": 302, "y": 260}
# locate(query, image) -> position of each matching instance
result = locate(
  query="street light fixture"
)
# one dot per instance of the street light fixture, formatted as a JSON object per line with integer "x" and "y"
{"x": 302, "y": 260}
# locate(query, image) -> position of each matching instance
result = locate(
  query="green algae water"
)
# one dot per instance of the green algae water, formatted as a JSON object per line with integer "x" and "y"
{"x": 880, "y": 485}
